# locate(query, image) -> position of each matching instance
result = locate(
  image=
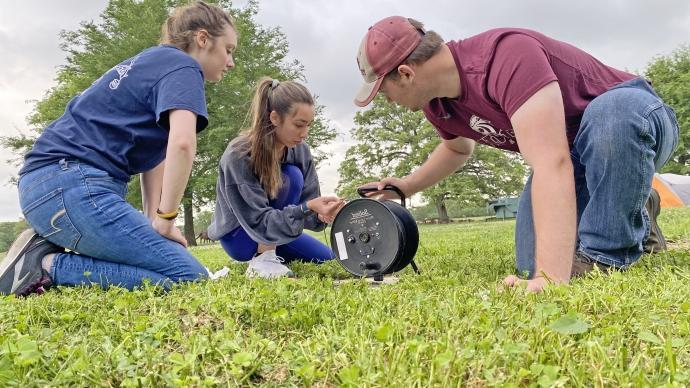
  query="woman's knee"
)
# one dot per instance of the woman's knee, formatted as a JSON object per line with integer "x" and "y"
{"x": 239, "y": 246}
{"x": 191, "y": 270}
{"x": 293, "y": 174}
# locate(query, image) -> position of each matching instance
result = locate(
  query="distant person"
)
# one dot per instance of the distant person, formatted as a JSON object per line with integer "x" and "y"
{"x": 268, "y": 191}
{"x": 593, "y": 136}
{"x": 142, "y": 116}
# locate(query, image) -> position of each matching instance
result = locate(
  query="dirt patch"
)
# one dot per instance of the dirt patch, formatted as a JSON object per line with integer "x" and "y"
{"x": 678, "y": 245}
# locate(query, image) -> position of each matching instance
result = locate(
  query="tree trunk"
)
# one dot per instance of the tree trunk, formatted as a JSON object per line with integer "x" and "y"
{"x": 188, "y": 217}
{"x": 441, "y": 210}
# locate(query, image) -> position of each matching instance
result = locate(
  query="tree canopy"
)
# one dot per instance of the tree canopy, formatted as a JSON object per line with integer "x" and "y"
{"x": 393, "y": 141}
{"x": 129, "y": 26}
{"x": 670, "y": 76}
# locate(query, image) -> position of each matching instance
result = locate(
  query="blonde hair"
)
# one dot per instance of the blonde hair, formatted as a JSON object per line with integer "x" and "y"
{"x": 179, "y": 28}
{"x": 259, "y": 140}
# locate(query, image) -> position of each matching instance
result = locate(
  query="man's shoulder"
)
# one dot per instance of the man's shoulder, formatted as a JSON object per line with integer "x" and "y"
{"x": 487, "y": 40}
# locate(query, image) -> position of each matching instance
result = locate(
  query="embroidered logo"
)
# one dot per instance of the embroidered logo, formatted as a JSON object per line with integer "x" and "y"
{"x": 122, "y": 71}
{"x": 490, "y": 135}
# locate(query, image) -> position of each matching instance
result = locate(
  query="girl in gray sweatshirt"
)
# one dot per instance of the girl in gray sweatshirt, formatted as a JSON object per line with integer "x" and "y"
{"x": 268, "y": 191}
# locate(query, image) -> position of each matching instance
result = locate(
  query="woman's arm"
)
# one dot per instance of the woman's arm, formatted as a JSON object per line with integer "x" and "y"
{"x": 178, "y": 165}
{"x": 151, "y": 186}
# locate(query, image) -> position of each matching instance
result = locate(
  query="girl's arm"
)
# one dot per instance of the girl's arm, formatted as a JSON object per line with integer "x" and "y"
{"x": 151, "y": 186}
{"x": 178, "y": 165}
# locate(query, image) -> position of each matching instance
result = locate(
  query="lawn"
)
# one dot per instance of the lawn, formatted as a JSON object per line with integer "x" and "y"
{"x": 449, "y": 326}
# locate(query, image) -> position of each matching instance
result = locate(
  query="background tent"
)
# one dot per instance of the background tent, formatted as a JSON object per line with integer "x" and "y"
{"x": 673, "y": 189}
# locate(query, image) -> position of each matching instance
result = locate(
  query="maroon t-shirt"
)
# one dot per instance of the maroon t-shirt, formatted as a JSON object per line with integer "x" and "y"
{"x": 500, "y": 69}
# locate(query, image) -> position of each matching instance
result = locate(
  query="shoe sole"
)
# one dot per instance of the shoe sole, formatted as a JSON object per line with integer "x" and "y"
{"x": 654, "y": 211}
{"x": 253, "y": 274}
{"x": 18, "y": 247}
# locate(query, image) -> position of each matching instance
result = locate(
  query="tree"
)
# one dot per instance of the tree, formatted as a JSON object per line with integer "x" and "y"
{"x": 392, "y": 141}
{"x": 670, "y": 76}
{"x": 129, "y": 26}
{"x": 9, "y": 231}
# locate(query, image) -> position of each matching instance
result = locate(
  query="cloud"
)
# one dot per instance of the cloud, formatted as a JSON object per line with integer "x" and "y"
{"x": 324, "y": 36}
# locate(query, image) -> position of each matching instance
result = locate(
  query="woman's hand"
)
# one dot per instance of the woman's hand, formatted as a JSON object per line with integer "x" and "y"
{"x": 167, "y": 229}
{"x": 326, "y": 207}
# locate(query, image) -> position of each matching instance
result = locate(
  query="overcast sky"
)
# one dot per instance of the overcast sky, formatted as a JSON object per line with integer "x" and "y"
{"x": 324, "y": 36}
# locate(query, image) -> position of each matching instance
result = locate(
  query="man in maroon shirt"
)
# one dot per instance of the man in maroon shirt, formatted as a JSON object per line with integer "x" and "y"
{"x": 593, "y": 136}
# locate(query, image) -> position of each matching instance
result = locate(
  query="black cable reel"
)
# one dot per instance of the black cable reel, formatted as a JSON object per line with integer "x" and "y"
{"x": 373, "y": 238}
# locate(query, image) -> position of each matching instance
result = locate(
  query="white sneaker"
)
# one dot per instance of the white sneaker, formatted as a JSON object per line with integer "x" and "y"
{"x": 268, "y": 265}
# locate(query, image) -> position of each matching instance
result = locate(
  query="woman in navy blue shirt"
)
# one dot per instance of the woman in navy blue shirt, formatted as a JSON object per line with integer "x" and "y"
{"x": 142, "y": 116}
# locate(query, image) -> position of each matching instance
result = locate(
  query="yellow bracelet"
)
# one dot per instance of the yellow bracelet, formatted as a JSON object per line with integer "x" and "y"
{"x": 166, "y": 216}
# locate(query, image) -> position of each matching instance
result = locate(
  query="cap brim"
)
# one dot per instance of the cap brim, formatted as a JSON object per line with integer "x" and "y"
{"x": 367, "y": 92}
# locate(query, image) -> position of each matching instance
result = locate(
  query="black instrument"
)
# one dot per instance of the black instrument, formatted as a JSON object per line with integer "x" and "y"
{"x": 372, "y": 238}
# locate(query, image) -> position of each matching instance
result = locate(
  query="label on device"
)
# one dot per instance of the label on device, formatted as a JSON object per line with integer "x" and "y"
{"x": 340, "y": 243}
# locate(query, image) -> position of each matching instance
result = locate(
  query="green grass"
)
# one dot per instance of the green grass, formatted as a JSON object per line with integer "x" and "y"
{"x": 449, "y": 326}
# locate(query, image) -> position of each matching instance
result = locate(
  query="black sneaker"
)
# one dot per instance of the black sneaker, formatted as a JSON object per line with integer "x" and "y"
{"x": 20, "y": 271}
{"x": 655, "y": 242}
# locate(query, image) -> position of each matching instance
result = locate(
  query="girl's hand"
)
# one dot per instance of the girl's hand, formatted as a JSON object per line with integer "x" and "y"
{"x": 326, "y": 207}
{"x": 167, "y": 229}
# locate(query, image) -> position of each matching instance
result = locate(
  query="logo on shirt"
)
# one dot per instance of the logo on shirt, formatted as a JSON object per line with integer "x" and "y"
{"x": 490, "y": 135}
{"x": 122, "y": 71}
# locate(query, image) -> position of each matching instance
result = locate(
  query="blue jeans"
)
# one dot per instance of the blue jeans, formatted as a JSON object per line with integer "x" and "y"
{"x": 306, "y": 248}
{"x": 626, "y": 134}
{"x": 83, "y": 209}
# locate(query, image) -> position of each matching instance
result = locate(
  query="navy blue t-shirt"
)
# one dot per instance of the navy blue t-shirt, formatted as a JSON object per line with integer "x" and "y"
{"x": 120, "y": 123}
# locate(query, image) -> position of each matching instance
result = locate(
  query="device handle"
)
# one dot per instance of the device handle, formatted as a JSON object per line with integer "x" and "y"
{"x": 363, "y": 190}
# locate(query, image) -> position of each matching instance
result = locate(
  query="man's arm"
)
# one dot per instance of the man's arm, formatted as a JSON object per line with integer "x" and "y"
{"x": 446, "y": 158}
{"x": 539, "y": 126}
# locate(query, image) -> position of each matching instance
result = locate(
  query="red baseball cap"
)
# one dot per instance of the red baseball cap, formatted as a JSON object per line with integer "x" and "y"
{"x": 384, "y": 47}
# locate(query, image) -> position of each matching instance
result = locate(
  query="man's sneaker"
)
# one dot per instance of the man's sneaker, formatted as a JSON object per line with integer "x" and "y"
{"x": 656, "y": 241}
{"x": 20, "y": 271}
{"x": 582, "y": 265}
{"x": 268, "y": 265}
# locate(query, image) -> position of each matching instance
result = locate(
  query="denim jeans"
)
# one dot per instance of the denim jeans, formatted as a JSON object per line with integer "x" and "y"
{"x": 626, "y": 134}
{"x": 306, "y": 248}
{"x": 83, "y": 209}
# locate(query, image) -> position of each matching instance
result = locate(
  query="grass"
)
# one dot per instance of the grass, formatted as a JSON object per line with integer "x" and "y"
{"x": 449, "y": 326}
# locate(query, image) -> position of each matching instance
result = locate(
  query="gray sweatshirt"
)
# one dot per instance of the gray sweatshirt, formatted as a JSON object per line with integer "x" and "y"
{"x": 242, "y": 201}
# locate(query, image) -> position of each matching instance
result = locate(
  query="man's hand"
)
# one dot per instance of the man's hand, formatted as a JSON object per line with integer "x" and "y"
{"x": 388, "y": 194}
{"x": 167, "y": 229}
{"x": 537, "y": 284}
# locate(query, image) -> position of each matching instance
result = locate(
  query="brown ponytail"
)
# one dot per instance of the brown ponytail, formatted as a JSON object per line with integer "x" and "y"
{"x": 259, "y": 140}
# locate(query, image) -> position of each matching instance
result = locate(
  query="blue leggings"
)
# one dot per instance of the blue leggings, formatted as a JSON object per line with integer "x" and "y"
{"x": 305, "y": 248}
